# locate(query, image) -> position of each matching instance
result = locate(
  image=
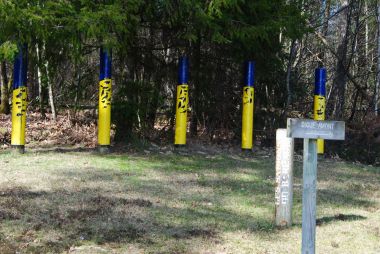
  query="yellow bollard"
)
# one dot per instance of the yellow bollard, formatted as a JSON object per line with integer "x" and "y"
{"x": 248, "y": 108}
{"x": 105, "y": 95}
{"x": 182, "y": 103}
{"x": 19, "y": 100}
{"x": 104, "y": 121}
{"x": 320, "y": 102}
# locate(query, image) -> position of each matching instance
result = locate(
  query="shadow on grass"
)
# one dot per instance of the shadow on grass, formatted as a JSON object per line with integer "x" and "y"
{"x": 45, "y": 150}
{"x": 339, "y": 217}
{"x": 342, "y": 197}
{"x": 55, "y": 221}
{"x": 331, "y": 219}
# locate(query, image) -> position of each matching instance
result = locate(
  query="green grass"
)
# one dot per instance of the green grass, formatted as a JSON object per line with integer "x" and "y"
{"x": 155, "y": 203}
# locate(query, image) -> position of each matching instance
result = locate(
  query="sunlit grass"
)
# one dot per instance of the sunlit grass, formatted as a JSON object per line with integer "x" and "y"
{"x": 157, "y": 203}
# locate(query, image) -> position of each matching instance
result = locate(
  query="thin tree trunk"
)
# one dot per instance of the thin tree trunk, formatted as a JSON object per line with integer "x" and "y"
{"x": 50, "y": 90}
{"x": 376, "y": 97}
{"x": 40, "y": 85}
{"x": 154, "y": 103}
{"x": 49, "y": 84}
{"x": 288, "y": 72}
{"x": 78, "y": 74}
{"x": 4, "y": 105}
{"x": 353, "y": 111}
{"x": 197, "y": 85}
{"x": 366, "y": 29}
{"x": 325, "y": 28}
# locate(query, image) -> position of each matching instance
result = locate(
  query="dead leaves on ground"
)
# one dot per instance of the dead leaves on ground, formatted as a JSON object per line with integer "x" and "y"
{"x": 44, "y": 132}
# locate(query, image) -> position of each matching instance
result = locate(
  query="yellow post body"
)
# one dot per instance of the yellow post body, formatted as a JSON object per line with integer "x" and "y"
{"x": 319, "y": 115}
{"x": 104, "y": 121}
{"x": 247, "y": 123}
{"x": 19, "y": 105}
{"x": 181, "y": 114}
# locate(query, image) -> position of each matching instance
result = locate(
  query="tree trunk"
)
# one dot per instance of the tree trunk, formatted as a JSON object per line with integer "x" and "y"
{"x": 340, "y": 80}
{"x": 50, "y": 90}
{"x": 39, "y": 81}
{"x": 49, "y": 85}
{"x": 354, "y": 105}
{"x": 154, "y": 102}
{"x": 376, "y": 97}
{"x": 4, "y": 83}
{"x": 325, "y": 28}
{"x": 292, "y": 54}
{"x": 197, "y": 80}
{"x": 78, "y": 75}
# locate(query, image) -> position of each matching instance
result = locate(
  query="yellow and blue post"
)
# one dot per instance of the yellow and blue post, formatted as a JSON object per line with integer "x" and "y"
{"x": 182, "y": 103}
{"x": 19, "y": 99}
{"x": 320, "y": 102}
{"x": 105, "y": 95}
{"x": 248, "y": 107}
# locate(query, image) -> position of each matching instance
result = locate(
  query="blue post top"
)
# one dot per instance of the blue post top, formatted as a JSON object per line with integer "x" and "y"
{"x": 320, "y": 81}
{"x": 249, "y": 74}
{"x": 105, "y": 64}
{"x": 20, "y": 70}
{"x": 183, "y": 70}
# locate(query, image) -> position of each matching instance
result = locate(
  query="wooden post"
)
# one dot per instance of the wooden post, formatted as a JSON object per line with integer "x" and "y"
{"x": 310, "y": 131}
{"x": 284, "y": 178}
{"x": 309, "y": 196}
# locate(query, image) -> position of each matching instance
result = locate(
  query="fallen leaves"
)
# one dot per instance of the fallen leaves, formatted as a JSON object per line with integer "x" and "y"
{"x": 45, "y": 132}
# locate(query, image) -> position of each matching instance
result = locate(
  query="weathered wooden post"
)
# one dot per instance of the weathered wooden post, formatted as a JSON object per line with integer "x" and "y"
{"x": 309, "y": 195}
{"x": 310, "y": 131}
{"x": 284, "y": 179}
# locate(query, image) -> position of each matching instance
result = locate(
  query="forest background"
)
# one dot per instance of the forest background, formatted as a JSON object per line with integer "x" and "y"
{"x": 287, "y": 39}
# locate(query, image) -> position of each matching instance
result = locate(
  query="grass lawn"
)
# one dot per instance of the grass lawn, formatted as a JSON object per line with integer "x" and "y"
{"x": 80, "y": 202}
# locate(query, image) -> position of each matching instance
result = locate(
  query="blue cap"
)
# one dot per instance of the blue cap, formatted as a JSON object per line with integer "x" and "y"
{"x": 183, "y": 70}
{"x": 250, "y": 74}
{"x": 20, "y": 70}
{"x": 105, "y": 64}
{"x": 320, "y": 81}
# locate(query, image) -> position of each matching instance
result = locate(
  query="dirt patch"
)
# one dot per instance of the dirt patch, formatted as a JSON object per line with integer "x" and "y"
{"x": 7, "y": 248}
{"x": 12, "y": 202}
{"x": 103, "y": 201}
{"x": 84, "y": 214}
{"x": 9, "y": 215}
{"x": 20, "y": 192}
{"x": 187, "y": 233}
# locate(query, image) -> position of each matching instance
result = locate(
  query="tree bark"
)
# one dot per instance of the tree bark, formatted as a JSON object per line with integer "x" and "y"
{"x": 49, "y": 84}
{"x": 4, "y": 83}
{"x": 325, "y": 28}
{"x": 292, "y": 54}
{"x": 376, "y": 97}
{"x": 197, "y": 80}
{"x": 340, "y": 80}
{"x": 50, "y": 90}
{"x": 39, "y": 81}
